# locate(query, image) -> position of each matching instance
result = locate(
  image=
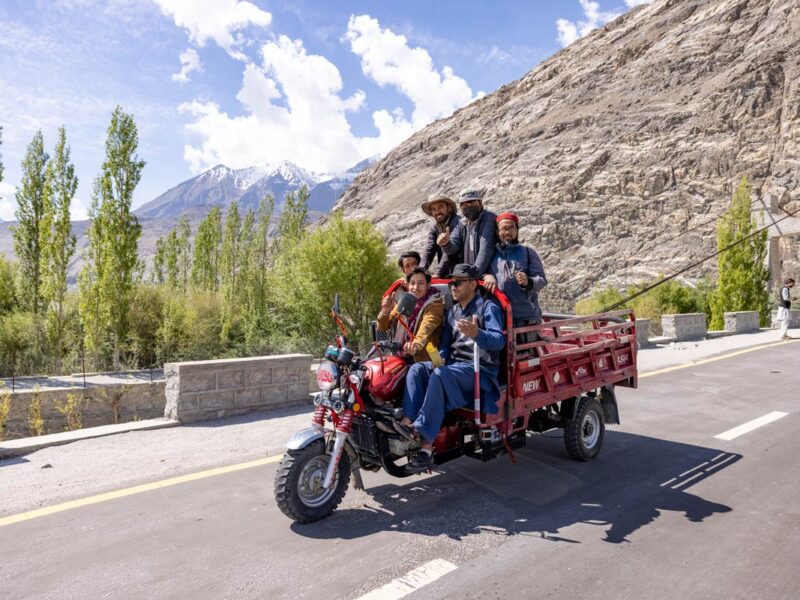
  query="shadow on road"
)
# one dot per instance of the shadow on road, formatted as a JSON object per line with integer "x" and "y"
{"x": 626, "y": 488}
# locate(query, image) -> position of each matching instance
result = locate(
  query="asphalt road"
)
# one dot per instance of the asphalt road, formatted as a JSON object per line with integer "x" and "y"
{"x": 666, "y": 511}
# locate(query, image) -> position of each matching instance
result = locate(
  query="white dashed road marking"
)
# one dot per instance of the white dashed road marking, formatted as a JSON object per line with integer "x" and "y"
{"x": 751, "y": 425}
{"x": 411, "y": 581}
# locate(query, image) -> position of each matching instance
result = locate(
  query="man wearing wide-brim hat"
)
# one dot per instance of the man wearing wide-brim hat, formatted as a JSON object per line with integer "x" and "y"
{"x": 474, "y": 240}
{"x": 445, "y": 220}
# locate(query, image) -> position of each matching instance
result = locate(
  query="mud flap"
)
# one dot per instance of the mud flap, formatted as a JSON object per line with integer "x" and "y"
{"x": 608, "y": 400}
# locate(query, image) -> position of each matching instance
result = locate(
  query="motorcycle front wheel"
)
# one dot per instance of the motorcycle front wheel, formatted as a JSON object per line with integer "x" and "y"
{"x": 298, "y": 483}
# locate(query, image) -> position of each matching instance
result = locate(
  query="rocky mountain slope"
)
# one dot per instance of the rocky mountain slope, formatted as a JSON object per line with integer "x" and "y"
{"x": 617, "y": 147}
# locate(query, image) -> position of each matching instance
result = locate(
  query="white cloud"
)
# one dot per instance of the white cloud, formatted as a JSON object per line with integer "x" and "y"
{"x": 216, "y": 20}
{"x": 632, "y": 3}
{"x": 569, "y": 31}
{"x": 77, "y": 210}
{"x": 190, "y": 61}
{"x": 295, "y": 111}
{"x": 387, "y": 59}
{"x": 7, "y": 202}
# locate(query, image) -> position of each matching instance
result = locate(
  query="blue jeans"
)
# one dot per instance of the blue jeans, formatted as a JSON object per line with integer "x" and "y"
{"x": 430, "y": 393}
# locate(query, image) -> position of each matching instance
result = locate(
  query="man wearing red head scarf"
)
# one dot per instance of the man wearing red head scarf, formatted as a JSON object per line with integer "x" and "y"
{"x": 518, "y": 271}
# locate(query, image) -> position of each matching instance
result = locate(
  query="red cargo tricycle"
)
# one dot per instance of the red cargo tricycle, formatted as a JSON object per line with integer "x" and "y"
{"x": 564, "y": 380}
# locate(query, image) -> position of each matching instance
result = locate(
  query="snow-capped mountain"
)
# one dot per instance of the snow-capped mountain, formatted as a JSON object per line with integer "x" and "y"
{"x": 221, "y": 185}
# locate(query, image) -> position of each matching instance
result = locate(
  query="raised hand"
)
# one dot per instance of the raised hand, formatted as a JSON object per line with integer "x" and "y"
{"x": 490, "y": 282}
{"x": 467, "y": 327}
{"x": 387, "y": 303}
{"x": 444, "y": 238}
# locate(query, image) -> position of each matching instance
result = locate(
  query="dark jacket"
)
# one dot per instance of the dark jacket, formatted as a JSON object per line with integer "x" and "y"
{"x": 524, "y": 301}
{"x": 433, "y": 250}
{"x": 475, "y": 241}
{"x": 456, "y": 347}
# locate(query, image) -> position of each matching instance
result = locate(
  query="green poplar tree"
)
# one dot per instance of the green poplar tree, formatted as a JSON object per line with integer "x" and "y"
{"x": 114, "y": 235}
{"x": 743, "y": 271}
{"x": 157, "y": 270}
{"x": 293, "y": 218}
{"x": 57, "y": 243}
{"x": 256, "y": 317}
{"x": 32, "y": 197}
{"x": 184, "y": 251}
{"x": 205, "y": 260}
{"x": 230, "y": 258}
{"x": 171, "y": 258}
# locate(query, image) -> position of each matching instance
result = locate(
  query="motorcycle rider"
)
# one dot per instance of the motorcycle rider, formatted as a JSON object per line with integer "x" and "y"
{"x": 475, "y": 238}
{"x": 445, "y": 216}
{"x": 518, "y": 271}
{"x": 431, "y": 392}
{"x": 425, "y": 322}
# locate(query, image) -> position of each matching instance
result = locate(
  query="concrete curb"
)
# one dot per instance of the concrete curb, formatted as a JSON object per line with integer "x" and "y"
{"x": 31, "y": 444}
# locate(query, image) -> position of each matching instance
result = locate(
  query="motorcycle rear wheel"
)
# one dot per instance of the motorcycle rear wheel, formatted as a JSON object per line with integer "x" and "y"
{"x": 298, "y": 483}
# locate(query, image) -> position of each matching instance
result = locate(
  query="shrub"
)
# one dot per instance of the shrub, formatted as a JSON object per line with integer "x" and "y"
{"x": 71, "y": 409}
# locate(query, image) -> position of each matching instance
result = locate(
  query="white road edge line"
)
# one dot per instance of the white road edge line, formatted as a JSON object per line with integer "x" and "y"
{"x": 751, "y": 425}
{"x": 411, "y": 581}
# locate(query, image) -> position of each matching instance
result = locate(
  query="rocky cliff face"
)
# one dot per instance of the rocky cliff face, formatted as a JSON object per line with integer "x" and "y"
{"x": 615, "y": 149}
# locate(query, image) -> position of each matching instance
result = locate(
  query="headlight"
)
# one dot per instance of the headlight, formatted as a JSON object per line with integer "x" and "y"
{"x": 327, "y": 376}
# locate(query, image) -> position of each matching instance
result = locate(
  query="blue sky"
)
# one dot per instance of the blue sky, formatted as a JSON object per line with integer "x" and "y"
{"x": 319, "y": 83}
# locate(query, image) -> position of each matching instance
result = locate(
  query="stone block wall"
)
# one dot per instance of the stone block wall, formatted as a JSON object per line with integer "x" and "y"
{"x": 98, "y": 405}
{"x": 742, "y": 322}
{"x": 212, "y": 389}
{"x": 688, "y": 326}
{"x": 642, "y": 332}
{"x": 794, "y": 317}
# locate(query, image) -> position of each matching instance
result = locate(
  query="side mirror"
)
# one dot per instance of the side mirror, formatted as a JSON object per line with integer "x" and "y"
{"x": 335, "y": 308}
{"x": 405, "y": 304}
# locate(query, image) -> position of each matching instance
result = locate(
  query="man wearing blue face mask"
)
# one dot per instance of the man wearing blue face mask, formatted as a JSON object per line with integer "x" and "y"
{"x": 475, "y": 238}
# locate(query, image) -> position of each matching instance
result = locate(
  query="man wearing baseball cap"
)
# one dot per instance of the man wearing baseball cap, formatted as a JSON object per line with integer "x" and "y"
{"x": 476, "y": 237}
{"x": 430, "y": 392}
{"x": 445, "y": 220}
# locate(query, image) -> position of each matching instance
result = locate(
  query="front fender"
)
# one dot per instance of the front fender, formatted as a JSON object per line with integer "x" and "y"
{"x": 303, "y": 438}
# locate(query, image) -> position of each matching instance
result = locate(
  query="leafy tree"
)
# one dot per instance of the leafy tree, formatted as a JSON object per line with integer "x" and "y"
{"x": 307, "y": 281}
{"x": 184, "y": 254}
{"x": 159, "y": 258}
{"x": 205, "y": 261}
{"x": 7, "y": 299}
{"x": 257, "y": 314}
{"x": 57, "y": 242}
{"x": 743, "y": 271}
{"x": 230, "y": 258}
{"x": 32, "y": 197}
{"x": 294, "y": 217}
{"x": 113, "y": 235}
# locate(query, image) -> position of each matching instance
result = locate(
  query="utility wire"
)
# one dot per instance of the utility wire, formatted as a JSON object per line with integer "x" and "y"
{"x": 694, "y": 264}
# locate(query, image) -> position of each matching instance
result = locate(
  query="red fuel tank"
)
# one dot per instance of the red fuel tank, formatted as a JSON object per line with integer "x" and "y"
{"x": 386, "y": 383}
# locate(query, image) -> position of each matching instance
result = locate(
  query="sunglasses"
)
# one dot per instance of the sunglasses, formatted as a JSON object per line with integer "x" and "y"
{"x": 457, "y": 282}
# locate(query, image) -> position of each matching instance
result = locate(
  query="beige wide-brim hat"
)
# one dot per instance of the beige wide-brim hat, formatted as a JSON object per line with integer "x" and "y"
{"x": 426, "y": 206}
